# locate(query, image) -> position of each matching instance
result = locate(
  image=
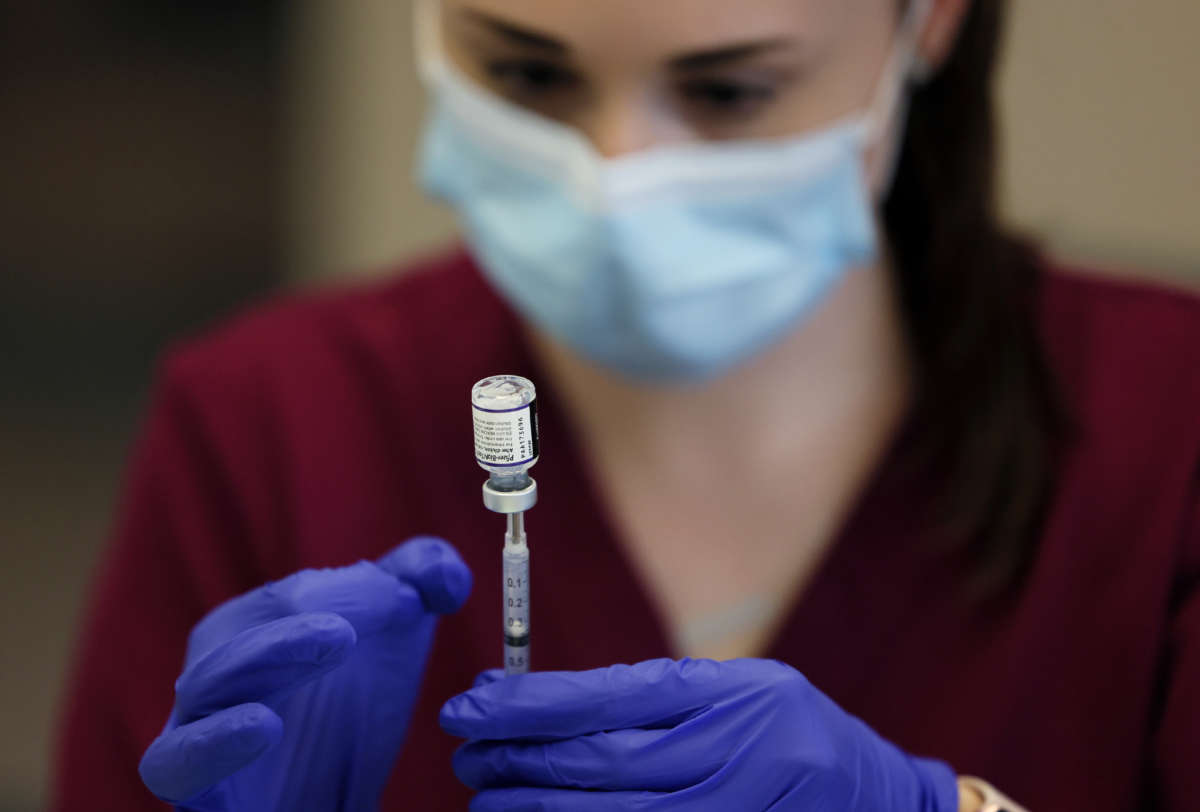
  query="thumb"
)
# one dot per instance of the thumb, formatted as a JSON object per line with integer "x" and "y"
{"x": 434, "y": 569}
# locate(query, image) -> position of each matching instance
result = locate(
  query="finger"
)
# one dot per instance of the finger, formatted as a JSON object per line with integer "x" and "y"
{"x": 630, "y": 759}
{"x": 435, "y": 569}
{"x": 488, "y": 677}
{"x": 369, "y": 598}
{"x": 363, "y": 593}
{"x": 525, "y": 799}
{"x": 564, "y": 704}
{"x": 186, "y": 761}
{"x": 263, "y": 663}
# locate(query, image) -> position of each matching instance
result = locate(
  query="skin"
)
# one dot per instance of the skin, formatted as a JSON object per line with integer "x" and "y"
{"x": 787, "y": 457}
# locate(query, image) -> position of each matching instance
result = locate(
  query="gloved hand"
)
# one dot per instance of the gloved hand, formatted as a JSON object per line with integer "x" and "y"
{"x": 749, "y": 735}
{"x": 297, "y": 695}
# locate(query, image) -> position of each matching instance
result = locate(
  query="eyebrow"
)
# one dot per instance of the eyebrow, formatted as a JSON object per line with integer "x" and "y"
{"x": 696, "y": 60}
{"x": 515, "y": 33}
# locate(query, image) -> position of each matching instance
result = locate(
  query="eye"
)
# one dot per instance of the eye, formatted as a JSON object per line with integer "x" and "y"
{"x": 727, "y": 96}
{"x": 526, "y": 78}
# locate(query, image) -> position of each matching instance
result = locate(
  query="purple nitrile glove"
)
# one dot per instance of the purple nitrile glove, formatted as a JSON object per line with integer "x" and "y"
{"x": 750, "y": 735}
{"x": 297, "y": 695}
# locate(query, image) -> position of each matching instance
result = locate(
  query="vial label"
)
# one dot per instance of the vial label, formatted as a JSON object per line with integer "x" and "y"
{"x": 506, "y": 438}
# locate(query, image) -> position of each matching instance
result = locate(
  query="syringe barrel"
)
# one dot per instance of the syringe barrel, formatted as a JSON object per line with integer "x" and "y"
{"x": 516, "y": 607}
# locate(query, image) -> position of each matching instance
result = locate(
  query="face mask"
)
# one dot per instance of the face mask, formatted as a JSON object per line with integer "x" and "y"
{"x": 675, "y": 263}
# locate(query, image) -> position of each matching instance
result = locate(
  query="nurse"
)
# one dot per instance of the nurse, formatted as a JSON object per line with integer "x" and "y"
{"x": 848, "y": 495}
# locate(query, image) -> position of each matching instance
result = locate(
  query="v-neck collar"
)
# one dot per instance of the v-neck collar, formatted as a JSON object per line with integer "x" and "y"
{"x": 866, "y": 565}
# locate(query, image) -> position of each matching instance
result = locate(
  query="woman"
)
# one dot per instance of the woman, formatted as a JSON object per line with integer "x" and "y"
{"x": 930, "y": 509}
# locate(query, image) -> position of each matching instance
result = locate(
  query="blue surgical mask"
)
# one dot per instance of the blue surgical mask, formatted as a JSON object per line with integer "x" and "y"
{"x": 671, "y": 264}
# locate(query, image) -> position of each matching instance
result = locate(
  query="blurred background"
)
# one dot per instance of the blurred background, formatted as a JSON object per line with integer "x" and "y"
{"x": 164, "y": 164}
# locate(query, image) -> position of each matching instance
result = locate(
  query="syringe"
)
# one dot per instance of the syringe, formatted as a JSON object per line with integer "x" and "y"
{"x": 504, "y": 410}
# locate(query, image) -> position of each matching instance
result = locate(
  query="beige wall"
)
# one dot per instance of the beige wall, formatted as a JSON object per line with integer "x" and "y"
{"x": 355, "y": 108}
{"x": 1102, "y": 124}
{"x": 1101, "y": 112}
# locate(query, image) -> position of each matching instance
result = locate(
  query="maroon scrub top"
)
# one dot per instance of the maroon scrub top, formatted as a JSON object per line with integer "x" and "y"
{"x": 327, "y": 428}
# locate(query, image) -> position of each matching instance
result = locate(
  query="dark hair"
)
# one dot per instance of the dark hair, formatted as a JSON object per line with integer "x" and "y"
{"x": 989, "y": 420}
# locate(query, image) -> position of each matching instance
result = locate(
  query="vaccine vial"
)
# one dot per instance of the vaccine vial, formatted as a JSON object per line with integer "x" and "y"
{"x": 504, "y": 410}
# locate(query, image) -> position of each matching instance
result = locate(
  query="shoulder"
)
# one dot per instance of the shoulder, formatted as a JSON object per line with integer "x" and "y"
{"x": 1126, "y": 357}
{"x": 346, "y": 392}
{"x": 432, "y": 311}
{"x": 413, "y": 303}
{"x": 1108, "y": 335}
{"x": 1082, "y": 299}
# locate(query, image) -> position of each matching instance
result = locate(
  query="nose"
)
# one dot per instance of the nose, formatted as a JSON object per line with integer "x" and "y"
{"x": 624, "y": 124}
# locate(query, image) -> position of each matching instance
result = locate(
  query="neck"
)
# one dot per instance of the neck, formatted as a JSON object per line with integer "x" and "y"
{"x": 842, "y": 374}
